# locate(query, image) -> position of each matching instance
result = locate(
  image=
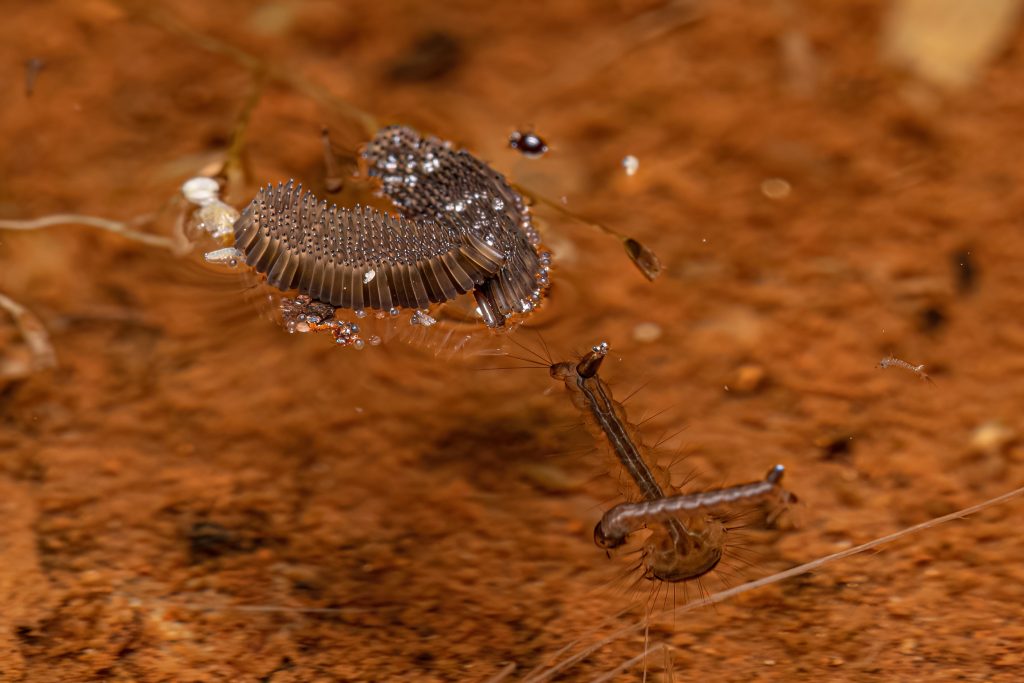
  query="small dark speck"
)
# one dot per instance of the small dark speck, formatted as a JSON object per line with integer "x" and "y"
{"x": 207, "y": 540}
{"x": 965, "y": 271}
{"x": 932, "y": 318}
{"x": 431, "y": 56}
{"x": 32, "y": 68}
{"x": 835, "y": 447}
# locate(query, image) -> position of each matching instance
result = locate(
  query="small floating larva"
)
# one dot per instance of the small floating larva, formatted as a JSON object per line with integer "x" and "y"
{"x": 891, "y": 361}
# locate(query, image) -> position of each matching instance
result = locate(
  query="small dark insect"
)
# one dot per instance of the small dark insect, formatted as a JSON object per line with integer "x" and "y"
{"x": 530, "y": 145}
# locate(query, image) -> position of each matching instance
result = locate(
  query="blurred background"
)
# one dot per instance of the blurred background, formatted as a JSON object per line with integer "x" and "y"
{"x": 189, "y": 493}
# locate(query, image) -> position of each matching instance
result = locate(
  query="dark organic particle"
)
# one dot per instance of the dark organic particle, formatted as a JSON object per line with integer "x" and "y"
{"x": 644, "y": 259}
{"x": 462, "y": 229}
{"x": 965, "y": 271}
{"x": 530, "y": 145}
{"x": 432, "y": 56}
{"x": 932, "y": 318}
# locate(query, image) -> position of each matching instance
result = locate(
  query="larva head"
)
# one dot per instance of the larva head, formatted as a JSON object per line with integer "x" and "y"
{"x": 606, "y": 541}
{"x": 697, "y": 552}
{"x": 586, "y": 368}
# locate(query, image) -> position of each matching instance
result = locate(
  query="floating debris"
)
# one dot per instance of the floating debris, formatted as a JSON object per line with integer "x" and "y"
{"x": 643, "y": 258}
{"x": 213, "y": 215}
{"x": 228, "y": 256}
{"x": 421, "y": 317}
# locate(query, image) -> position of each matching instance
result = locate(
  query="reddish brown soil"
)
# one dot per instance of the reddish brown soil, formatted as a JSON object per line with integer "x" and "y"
{"x": 190, "y": 475}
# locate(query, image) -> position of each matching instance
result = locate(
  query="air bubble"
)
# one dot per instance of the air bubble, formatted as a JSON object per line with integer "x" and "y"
{"x": 630, "y": 165}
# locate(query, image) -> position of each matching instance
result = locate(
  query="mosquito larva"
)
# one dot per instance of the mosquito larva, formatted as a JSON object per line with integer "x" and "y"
{"x": 891, "y": 361}
{"x": 677, "y": 550}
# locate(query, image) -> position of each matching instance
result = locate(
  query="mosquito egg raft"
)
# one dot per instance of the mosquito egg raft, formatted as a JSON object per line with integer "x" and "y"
{"x": 630, "y": 164}
{"x": 530, "y": 145}
{"x": 461, "y": 229}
